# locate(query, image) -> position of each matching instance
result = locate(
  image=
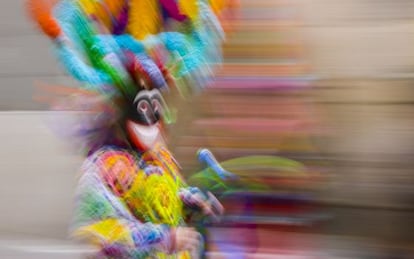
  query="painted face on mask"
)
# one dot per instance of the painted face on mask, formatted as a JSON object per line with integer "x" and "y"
{"x": 144, "y": 125}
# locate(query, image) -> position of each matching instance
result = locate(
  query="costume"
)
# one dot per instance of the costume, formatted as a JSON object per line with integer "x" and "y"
{"x": 131, "y": 198}
{"x": 128, "y": 204}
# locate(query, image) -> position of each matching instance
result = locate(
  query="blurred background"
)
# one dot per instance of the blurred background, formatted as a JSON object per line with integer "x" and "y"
{"x": 327, "y": 83}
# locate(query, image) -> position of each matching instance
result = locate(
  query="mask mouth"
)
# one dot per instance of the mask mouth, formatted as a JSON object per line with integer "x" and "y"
{"x": 144, "y": 137}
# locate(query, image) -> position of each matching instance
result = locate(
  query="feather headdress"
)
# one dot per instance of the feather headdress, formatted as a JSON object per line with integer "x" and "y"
{"x": 115, "y": 48}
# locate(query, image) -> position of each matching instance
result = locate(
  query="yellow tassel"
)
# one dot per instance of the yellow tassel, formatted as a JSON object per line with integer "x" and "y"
{"x": 110, "y": 230}
{"x": 155, "y": 198}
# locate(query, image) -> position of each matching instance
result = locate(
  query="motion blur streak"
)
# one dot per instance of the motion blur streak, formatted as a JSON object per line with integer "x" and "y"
{"x": 325, "y": 84}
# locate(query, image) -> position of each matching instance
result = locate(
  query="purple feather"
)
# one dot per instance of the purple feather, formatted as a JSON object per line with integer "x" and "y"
{"x": 121, "y": 22}
{"x": 172, "y": 9}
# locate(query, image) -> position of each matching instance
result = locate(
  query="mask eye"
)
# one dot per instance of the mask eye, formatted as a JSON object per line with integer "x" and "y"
{"x": 143, "y": 107}
{"x": 145, "y": 112}
{"x": 156, "y": 105}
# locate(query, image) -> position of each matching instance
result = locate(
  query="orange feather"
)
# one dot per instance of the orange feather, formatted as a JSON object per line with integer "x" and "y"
{"x": 41, "y": 12}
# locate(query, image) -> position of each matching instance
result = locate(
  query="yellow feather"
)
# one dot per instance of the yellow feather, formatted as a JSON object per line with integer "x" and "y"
{"x": 103, "y": 11}
{"x": 114, "y": 6}
{"x": 217, "y": 5}
{"x": 144, "y": 18}
{"x": 189, "y": 8}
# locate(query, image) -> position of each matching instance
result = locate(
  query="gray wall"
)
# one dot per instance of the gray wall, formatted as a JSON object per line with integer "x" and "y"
{"x": 26, "y": 58}
{"x": 37, "y": 174}
{"x": 37, "y": 177}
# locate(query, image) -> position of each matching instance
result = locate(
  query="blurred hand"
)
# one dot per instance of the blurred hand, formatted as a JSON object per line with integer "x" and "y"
{"x": 188, "y": 239}
{"x": 210, "y": 206}
{"x": 207, "y": 203}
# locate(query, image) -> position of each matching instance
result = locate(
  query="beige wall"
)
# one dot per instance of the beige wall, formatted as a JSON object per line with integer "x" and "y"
{"x": 345, "y": 39}
{"x": 359, "y": 38}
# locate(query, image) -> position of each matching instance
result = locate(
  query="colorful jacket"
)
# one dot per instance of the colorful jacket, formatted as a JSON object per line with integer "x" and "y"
{"x": 128, "y": 204}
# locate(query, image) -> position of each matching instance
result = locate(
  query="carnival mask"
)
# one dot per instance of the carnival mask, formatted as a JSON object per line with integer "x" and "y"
{"x": 144, "y": 122}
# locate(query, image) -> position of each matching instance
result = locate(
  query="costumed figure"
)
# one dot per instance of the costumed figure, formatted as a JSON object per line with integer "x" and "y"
{"x": 131, "y": 200}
